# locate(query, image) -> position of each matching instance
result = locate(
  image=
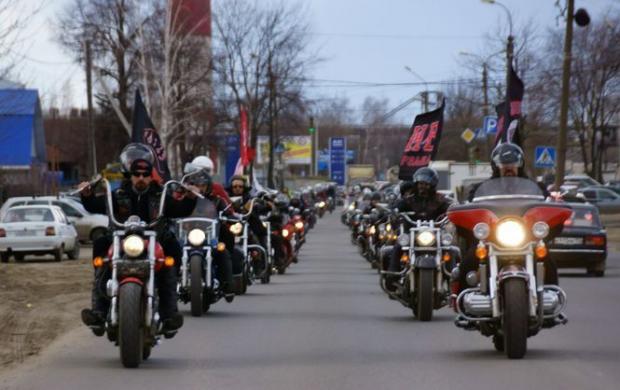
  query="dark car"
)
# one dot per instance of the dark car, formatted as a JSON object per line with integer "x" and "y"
{"x": 583, "y": 241}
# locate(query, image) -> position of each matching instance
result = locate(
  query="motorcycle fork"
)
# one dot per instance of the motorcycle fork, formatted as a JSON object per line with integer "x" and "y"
{"x": 209, "y": 268}
{"x": 496, "y": 278}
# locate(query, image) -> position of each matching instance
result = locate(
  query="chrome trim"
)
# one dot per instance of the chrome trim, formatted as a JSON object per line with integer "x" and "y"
{"x": 495, "y": 197}
{"x": 597, "y": 251}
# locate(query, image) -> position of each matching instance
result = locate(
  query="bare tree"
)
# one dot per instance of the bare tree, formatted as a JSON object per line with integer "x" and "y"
{"x": 15, "y": 15}
{"x": 261, "y": 58}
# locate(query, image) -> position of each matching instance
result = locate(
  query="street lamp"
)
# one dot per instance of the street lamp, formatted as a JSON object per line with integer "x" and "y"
{"x": 583, "y": 19}
{"x": 425, "y": 93}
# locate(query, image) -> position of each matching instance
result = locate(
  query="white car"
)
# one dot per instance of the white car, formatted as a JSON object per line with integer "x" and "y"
{"x": 37, "y": 230}
{"x": 89, "y": 226}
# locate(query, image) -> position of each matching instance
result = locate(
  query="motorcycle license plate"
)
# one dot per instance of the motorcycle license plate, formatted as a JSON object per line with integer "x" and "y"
{"x": 568, "y": 240}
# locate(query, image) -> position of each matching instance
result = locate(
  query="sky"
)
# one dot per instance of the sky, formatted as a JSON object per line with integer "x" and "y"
{"x": 359, "y": 41}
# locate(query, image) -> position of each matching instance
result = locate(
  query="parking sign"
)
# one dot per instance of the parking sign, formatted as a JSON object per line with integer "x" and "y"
{"x": 490, "y": 124}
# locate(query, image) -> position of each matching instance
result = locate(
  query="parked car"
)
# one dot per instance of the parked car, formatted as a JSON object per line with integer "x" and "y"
{"x": 583, "y": 241}
{"x": 605, "y": 199}
{"x": 89, "y": 226}
{"x": 37, "y": 230}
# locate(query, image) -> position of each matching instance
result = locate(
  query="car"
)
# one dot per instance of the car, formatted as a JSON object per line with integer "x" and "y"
{"x": 583, "y": 241}
{"x": 37, "y": 230}
{"x": 572, "y": 182}
{"x": 89, "y": 226}
{"x": 606, "y": 200}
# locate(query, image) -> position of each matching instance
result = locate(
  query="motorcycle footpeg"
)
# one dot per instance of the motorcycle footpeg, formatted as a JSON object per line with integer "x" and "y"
{"x": 461, "y": 322}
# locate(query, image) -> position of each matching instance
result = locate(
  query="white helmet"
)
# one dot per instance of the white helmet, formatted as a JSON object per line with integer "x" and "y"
{"x": 200, "y": 162}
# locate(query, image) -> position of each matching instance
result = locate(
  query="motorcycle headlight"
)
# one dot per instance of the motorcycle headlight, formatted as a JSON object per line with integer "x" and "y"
{"x": 425, "y": 238}
{"x": 510, "y": 233}
{"x": 403, "y": 239}
{"x": 351, "y": 207}
{"x": 482, "y": 231}
{"x": 285, "y": 233}
{"x": 196, "y": 237}
{"x": 447, "y": 239}
{"x": 540, "y": 230}
{"x": 388, "y": 227}
{"x": 321, "y": 204}
{"x": 133, "y": 246}
{"x": 372, "y": 230}
{"x": 299, "y": 225}
{"x": 236, "y": 228}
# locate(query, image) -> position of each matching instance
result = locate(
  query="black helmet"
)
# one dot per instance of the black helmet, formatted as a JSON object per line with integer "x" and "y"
{"x": 426, "y": 175}
{"x": 376, "y": 196}
{"x": 281, "y": 201}
{"x": 136, "y": 152}
{"x": 506, "y": 154}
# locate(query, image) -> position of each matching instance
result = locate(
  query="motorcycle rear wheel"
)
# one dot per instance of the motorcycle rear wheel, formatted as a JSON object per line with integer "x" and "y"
{"x": 515, "y": 321}
{"x": 424, "y": 293}
{"x": 196, "y": 289}
{"x": 131, "y": 333}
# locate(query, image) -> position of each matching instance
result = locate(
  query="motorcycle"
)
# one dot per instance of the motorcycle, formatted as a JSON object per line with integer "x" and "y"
{"x": 135, "y": 257}
{"x": 507, "y": 297}
{"x": 199, "y": 283}
{"x": 427, "y": 259}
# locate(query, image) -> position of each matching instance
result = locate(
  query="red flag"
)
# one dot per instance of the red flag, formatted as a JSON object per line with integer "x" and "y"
{"x": 245, "y": 136}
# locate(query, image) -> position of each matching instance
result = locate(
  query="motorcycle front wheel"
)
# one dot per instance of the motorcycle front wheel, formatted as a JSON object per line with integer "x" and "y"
{"x": 515, "y": 321}
{"x": 196, "y": 289}
{"x": 424, "y": 295}
{"x": 131, "y": 335}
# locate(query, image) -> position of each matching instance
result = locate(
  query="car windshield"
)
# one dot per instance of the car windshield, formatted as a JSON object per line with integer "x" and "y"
{"x": 29, "y": 215}
{"x": 583, "y": 217}
{"x": 509, "y": 187}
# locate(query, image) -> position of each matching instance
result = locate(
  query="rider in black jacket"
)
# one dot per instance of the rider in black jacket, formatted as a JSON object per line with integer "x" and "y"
{"x": 138, "y": 195}
{"x": 423, "y": 199}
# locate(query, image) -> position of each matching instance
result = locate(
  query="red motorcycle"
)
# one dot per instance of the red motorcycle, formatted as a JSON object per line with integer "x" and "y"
{"x": 507, "y": 298}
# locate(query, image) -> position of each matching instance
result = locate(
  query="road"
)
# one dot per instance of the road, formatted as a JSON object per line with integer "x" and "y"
{"x": 327, "y": 325}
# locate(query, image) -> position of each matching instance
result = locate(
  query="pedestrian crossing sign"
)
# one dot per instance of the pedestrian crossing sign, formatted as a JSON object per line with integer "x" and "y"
{"x": 544, "y": 157}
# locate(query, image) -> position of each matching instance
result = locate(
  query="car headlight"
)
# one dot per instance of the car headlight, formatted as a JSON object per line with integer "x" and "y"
{"x": 482, "y": 231}
{"x": 285, "y": 233}
{"x": 540, "y": 230}
{"x": 133, "y": 246}
{"x": 403, "y": 239}
{"x": 236, "y": 228}
{"x": 510, "y": 233}
{"x": 425, "y": 238}
{"x": 299, "y": 225}
{"x": 196, "y": 237}
{"x": 372, "y": 230}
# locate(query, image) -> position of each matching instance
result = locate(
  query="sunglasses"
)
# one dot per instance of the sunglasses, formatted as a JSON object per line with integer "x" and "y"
{"x": 141, "y": 174}
{"x": 237, "y": 186}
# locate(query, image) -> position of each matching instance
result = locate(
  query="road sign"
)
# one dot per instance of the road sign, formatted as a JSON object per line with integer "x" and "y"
{"x": 544, "y": 157}
{"x": 338, "y": 159}
{"x": 490, "y": 124}
{"x": 468, "y": 135}
{"x": 480, "y": 134}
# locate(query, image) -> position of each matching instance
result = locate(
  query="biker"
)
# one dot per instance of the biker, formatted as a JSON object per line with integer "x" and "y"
{"x": 421, "y": 197}
{"x": 506, "y": 161}
{"x": 138, "y": 195}
{"x": 210, "y": 207}
{"x": 204, "y": 162}
{"x": 375, "y": 198}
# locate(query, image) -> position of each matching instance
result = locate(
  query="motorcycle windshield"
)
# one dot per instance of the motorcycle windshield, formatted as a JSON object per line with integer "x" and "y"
{"x": 508, "y": 188}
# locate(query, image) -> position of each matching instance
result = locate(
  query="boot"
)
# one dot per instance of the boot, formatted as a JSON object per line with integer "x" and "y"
{"x": 94, "y": 320}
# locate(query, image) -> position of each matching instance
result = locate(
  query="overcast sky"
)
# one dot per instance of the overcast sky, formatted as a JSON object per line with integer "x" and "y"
{"x": 359, "y": 40}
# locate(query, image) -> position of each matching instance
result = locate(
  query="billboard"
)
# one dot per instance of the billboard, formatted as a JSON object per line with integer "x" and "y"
{"x": 338, "y": 159}
{"x": 297, "y": 150}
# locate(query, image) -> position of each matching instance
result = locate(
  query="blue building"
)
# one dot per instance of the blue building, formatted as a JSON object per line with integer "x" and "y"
{"x": 23, "y": 160}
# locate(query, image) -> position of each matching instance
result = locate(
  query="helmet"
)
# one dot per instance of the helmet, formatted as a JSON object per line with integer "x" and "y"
{"x": 366, "y": 191}
{"x": 134, "y": 152}
{"x": 426, "y": 175}
{"x": 405, "y": 187}
{"x": 506, "y": 155}
{"x": 203, "y": 162}
{"x": 281, "y": 201}
{"x": 200, "y": 178}
{"x": 376, "y": 196}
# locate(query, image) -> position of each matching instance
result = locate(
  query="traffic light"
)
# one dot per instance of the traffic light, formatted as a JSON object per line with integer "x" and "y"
{"x": 311, "y": 128}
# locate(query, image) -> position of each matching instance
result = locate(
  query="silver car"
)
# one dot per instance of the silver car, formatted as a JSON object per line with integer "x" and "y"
{"x": 89, "y": 226}
{"x": 37, "y": 230}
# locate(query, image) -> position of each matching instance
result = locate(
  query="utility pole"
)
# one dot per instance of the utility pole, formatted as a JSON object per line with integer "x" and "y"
{"x": 92, "y": 148}
{"x": 272, "y": 129}
{"x": 313, "y": 143}
{"x": 583, "y": 19}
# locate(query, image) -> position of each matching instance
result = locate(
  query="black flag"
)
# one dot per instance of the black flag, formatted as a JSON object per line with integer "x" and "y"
{"x": 144, "y": 131}
{"x": 423, "y": 142}
{"x": 508, "y": 115}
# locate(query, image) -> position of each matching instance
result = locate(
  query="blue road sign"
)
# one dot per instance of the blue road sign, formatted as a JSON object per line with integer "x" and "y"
{"x": 338, "y": 159}
{"x": 544, "y": 157}
{"x": 490, "y": 124}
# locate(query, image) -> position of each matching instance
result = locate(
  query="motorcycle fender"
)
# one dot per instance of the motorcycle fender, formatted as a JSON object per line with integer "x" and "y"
{"x": 512, "y": 271}
{"x": 132, "y": 280}
{"x": 425, "y": 262}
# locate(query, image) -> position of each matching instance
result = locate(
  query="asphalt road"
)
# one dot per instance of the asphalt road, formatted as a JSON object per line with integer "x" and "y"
{"x": 327, "y": 325}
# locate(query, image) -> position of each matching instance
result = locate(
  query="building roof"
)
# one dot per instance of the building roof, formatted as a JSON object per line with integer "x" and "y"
{"x": 22, "y": 138}
{"x": 18, "y": 101}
